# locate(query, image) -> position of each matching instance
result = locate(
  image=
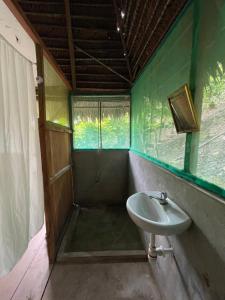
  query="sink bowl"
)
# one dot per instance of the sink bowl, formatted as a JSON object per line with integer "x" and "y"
{"x": 147, "y": 213}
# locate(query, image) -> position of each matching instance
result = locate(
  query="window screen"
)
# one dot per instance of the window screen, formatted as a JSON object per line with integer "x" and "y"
{"x": 209, "y": 143}
{"x": 153, "y": 130}
{"x": 56, "y": 95}
{"x": 101, "y": 122}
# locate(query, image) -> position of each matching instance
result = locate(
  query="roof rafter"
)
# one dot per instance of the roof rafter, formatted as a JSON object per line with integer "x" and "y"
{"x": 104, "y": 65}
{"x": 70, "y": 42}
{"x": 150, "y": 35}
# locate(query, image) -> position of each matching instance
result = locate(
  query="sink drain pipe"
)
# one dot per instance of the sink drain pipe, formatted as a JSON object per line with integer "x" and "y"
{"x": 153, "y": 252}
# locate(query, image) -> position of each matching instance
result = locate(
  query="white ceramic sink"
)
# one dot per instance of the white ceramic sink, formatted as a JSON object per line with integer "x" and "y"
{"x": 147, "y": 213}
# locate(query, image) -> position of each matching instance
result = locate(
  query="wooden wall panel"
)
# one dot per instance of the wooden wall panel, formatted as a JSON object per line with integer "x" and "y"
{"x": 60, "y": 181}
{"x": 58, "y": 149}
{"x": 55, "y": 142}
{"x": 61, "y": 191}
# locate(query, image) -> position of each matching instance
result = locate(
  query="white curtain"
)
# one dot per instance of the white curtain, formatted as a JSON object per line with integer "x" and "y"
{"x": 21, "y": 185}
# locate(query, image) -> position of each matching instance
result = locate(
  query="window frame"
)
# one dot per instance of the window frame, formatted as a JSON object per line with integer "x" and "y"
{"x": 71, "y": 100}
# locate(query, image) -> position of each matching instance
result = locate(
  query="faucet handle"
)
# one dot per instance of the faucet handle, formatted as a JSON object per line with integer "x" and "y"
{"x": 164, "y": 195}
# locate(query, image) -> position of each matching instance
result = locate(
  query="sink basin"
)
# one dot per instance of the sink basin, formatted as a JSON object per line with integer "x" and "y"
{"x": 147, "y": 213}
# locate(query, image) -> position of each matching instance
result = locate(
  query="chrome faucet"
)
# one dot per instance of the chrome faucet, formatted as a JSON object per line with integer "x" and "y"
{"x": 161, "y": 198}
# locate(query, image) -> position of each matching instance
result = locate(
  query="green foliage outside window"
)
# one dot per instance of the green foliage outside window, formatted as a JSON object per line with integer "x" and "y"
{"x": 211, "y": 145}
{"x": 101, "y": 124}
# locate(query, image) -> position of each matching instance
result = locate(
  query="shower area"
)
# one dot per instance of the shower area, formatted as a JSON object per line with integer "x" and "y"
{"x": 100, "y": 228}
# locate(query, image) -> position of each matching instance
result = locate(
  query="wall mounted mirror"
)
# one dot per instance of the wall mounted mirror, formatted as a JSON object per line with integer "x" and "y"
{"x": 183, "y": 110}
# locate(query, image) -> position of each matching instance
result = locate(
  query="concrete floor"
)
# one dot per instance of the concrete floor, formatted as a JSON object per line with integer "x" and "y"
{"x": 159, "y": 280}
{"x": 102, "y": 229}
{"x": 111, "y": 281}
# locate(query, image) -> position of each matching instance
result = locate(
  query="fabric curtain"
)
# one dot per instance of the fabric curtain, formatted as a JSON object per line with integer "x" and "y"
{"x": 21, "y": 184}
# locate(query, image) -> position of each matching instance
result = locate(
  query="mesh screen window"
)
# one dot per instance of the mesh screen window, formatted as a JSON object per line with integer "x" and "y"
{"x": 101, "y": 122}
{"x": 153, "y": 130}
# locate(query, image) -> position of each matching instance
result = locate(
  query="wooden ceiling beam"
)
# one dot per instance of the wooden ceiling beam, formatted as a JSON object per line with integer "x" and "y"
{"x": 85, "y": 91}
{"x": 101, "y": 59}
{"x": 99, "y": 53}
{"x": 134, "y": 16}
{"x": 42, "y": 2}
{"x": 58, "y": 49}
{"x": 104, "y": 65}
{"x": 127, "y": 15}
{"x": 125, "y": 6}
{"x": 56, "y": 26}
{"x": 164, "y": 27}
{"x": 99, "y": 68}
{"x": 150, "y": 36}
{"x": 100, "y": 82}
{"x": 39, "y": 2}
{"x": 70, "y": 42}
{"x": 88, "y": 17}
{"x": 44, "y": 14}
{"x": 106, "y": 5}
{"x": 75, "y": 17}
{"x": 137, "y": 30}
{"x": 146, "y": 31}
{"x": 116, "y": 42}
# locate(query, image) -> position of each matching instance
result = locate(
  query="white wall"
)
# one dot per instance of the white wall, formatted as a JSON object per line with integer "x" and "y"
{"x": 11, "y": 29}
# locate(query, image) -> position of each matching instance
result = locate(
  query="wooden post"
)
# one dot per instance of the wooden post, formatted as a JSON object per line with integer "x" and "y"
{"x": 70, "y": 42}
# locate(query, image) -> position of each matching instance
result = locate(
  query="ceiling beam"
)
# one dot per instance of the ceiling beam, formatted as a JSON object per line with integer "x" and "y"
{"x": 137, "y": 30}
{"x": 106, "y": 5}
{"x": 44, "y": 14}
{"x": 127, "y": 15}
{"x": 146, "y": 31}
{"x": 101, "y": 59}
{"x": 70, "y": 42}
{"x": 39, "y": 2}
{"x": 104, "y": 65}
{"x": 134, "y": 17}
{"x": 61, "y": 15}
{"x": 150, "y": 36}
{"x": 85, "y": 91}
{"x": 44, "y": 2}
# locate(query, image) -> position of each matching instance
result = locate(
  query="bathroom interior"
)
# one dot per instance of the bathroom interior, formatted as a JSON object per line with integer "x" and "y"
{"x": 112, "y": 136}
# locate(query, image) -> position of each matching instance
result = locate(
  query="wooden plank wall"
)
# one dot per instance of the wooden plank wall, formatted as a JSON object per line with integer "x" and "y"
{"x": 60, "y": 179}
{"x": 55, "y": 141}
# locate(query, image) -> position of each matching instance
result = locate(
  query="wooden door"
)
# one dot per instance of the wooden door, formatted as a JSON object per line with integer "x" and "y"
{"x": 55, "y": 141}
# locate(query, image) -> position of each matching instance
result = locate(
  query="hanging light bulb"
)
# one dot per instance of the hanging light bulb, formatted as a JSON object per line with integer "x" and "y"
{"x": 118, "y": 28}
{"x": 122, "y": 14}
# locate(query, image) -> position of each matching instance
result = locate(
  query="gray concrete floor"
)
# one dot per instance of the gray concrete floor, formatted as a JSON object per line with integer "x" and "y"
{"x": 101, "y": 229}
{"x": 157, "y": 280}
{"x": 111, "y": 281}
